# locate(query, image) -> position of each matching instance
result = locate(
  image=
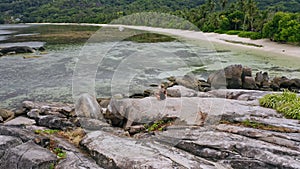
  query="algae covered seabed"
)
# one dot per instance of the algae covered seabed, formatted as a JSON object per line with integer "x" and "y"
{"x": 147, "y": 58}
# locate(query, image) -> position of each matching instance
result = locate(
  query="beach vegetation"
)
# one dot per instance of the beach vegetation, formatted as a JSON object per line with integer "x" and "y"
{"x": 287, "y": 103}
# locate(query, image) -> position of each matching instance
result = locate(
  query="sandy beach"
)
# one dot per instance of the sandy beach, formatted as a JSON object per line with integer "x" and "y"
{"x": 233, "y": 41}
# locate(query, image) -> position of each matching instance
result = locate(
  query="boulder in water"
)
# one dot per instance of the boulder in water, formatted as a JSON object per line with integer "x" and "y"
{"x": 17, "y": 49}
{"x": 230, "y": 77}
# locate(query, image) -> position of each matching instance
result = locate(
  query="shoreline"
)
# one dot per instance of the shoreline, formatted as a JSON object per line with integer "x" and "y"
{"x": 215, "y": 39}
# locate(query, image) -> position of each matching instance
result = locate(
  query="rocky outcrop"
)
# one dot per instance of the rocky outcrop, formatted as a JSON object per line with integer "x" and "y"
{"x": 210, "y": 130}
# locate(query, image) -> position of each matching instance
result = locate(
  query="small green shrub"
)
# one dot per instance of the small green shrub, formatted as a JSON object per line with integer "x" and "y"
{"x": 60, "y": 153}
{"x": 220, "y": 31}
{"x": 244, "y": 34}
{"x": 255, "y": 35}
{"x": 287, "y": 103}
{"x": 159, "y": 125}
{"x": 251, "y": 35}
{"x": 233, "y": 32}
{"x": 51, "y": 166}
{"x": 47, "y": 131}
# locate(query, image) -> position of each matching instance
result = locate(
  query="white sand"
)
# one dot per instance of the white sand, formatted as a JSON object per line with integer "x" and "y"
{"x": 214, "y": 38}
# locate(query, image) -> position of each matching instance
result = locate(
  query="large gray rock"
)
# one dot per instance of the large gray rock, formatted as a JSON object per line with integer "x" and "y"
{"x": 54, "y": 122}
{"x": 7, "y": 142}
{"x": 87, "y": 106}
{"x": 188, "y": 110}
{"x": 239, "y": 151}
{"x": 75, "y": 159}
{"x": 92, "y": 124}
{"x": 114, "y": 152}
{"x": 181, "y": 91}
{"x": 239, "y": 94}
{"x": 127, "y": 153}
{"x": 20, "y": 121}
{"x": 276, "y": 138}
{"x": 40, "y": 108}
{"x": 28, "y": 156}
{"x": 24, "y": 135}
{"x": 150, "y": 109}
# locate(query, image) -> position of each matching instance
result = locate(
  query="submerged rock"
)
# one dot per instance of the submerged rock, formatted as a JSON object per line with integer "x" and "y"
{"x": 229, "y": 77}
{"x": 17, "y": 49}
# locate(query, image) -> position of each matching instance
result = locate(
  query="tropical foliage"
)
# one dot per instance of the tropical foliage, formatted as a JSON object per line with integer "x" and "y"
{"x": 274, "y": 19}
{"x": 287, "y": 103}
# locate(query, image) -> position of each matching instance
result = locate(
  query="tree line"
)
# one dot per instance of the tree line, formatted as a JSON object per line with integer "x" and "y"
{"x": 246, "y": 18}
{"x": 278, "y": 20}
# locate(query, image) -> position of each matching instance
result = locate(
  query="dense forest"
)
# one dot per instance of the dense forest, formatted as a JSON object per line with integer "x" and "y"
{"x": 278, "y": 20}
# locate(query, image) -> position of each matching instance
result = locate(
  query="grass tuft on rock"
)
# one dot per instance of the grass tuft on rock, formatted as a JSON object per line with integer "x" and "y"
{"x": 287, "y": 103}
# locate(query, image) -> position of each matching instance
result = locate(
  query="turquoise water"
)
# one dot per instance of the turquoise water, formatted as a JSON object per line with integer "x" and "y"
{"x": 114, "y": 66}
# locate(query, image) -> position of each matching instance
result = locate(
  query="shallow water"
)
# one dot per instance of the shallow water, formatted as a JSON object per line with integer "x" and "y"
{"x": 115, "y": 67}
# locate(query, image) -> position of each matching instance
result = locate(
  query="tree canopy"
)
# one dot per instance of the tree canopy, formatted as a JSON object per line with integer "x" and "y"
{"x": 274, "y": 19}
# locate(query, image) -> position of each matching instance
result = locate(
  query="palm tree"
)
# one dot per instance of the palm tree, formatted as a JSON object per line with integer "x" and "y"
{"x": 236, "y": 21}
{"x": 241, "y": 4}
{"x": 251, "y": 12}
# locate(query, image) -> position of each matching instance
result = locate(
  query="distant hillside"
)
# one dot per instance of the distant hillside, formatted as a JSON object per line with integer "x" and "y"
{"x": 280, "y": 5}
{"x": 103, "y": 11}
{"x": 97, "y": 11}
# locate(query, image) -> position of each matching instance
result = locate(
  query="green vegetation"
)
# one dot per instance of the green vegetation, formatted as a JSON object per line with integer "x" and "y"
{"x": 248, "y": 123}
{"x": 287, "y": 103}
{"x": 284, "y": 27}
{"x": 47, "y": 131}
{"x": 277, "y": 20}
{"x": 248, "y": 18}
{"x": 60, "y": 153}
{"x": 52, "y": 166}
{"x": 159, "y": 125}
{"x": 88, "y": 11}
